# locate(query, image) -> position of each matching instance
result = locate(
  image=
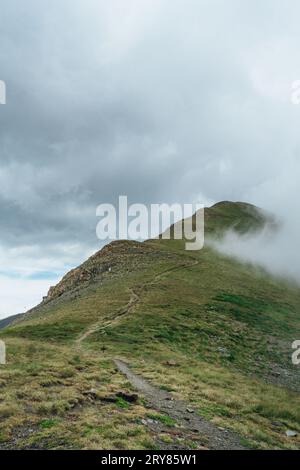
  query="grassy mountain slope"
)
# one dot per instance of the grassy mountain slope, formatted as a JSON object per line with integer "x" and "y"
{"x": 8, "y": 320}
{"x": 215, "y": 332}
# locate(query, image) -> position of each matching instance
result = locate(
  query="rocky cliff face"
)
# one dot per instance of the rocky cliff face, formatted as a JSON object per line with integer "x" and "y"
{"x": 114, "y": 259}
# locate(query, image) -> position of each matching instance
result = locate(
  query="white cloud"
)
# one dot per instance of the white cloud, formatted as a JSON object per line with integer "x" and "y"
{"x": 274, "y": 252}
{"x": 18, "y": 295}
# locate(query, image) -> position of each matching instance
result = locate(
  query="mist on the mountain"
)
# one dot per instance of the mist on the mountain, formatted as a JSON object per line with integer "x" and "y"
{"x": 274, "y": 250}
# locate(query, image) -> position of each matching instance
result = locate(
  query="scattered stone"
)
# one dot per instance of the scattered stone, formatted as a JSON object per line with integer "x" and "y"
{"x": 130, "y": 397}
{"x": 224, "y": 352}
{"x": 149, "y": 421}
{"x": 92, "y": 393}
{"x": 275, "y": 373}
{"x": 290, "y": 433}
{"x": 278, "y": 424}
{"x": 171, "y": 363}
{"x": 189, "y": 410}
{"x": 109, "y": 399}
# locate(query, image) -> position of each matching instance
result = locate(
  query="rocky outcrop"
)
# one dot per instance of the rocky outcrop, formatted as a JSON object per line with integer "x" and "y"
{"x": 113, "y": 259}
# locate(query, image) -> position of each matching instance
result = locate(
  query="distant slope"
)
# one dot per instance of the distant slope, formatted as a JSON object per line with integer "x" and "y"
{"x": 7, "y": 321}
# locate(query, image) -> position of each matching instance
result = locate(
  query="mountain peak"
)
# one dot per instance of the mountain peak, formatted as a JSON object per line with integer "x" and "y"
{"x": 241, "y": 217}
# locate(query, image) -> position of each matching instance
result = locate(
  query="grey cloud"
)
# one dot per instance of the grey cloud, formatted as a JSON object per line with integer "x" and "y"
{"x": 159, "y": 100}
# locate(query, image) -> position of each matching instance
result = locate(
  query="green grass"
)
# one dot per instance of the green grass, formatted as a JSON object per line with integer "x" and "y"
{"x": 47, "y": 331}
{"x": 121, "y": 403}
{"x": 48, "y": 423}
{"x": 165, "y": 419}
{"x": 227, "y": 325}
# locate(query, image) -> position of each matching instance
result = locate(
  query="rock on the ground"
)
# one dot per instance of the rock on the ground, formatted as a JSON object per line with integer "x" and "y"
{"x": 290, "y": 433}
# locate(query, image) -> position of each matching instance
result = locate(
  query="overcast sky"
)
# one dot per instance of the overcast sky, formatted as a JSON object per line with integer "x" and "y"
{"x": 161, "y": 100}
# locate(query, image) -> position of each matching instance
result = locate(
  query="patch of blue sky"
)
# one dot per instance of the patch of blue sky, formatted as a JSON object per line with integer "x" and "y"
{"x": 36, "y": 276}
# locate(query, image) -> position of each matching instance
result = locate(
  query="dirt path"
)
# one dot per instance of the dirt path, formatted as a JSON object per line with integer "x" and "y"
{"x": 130, "y": 306}
{"x": 191, "y": 425}
{"x": 104, "y": 323}
{"x": 212, "y": 436}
